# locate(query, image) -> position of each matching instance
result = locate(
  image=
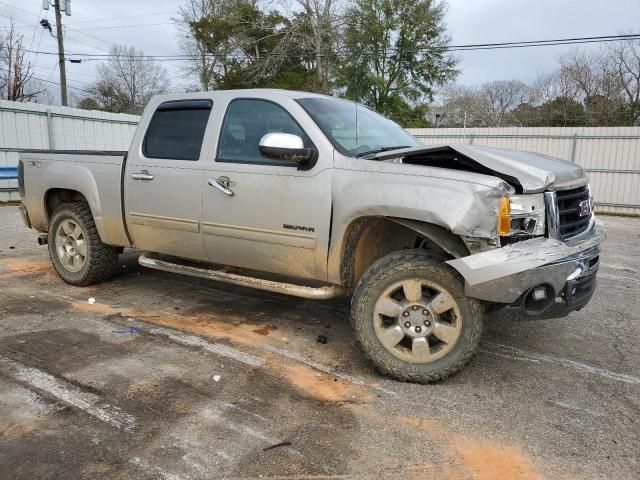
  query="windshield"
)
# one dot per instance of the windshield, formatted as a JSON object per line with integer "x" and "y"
{"x": 356, "y": 135}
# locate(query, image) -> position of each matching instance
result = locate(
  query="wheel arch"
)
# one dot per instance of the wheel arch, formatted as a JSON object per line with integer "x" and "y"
{"x": 56, "y": 196}
{"x": 369, "y": 238}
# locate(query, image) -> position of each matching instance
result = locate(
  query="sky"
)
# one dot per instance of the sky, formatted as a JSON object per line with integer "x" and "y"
{"x": 147, "y": 25}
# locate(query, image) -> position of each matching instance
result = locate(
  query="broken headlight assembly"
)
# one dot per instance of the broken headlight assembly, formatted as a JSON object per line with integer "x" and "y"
{"x": 521, "y": 217}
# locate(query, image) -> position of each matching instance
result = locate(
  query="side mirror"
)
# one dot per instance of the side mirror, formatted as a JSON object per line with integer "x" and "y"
{"x": 285, "y": 146}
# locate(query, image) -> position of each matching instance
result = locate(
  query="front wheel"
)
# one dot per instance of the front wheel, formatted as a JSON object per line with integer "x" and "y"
{"x": 412, "y": 319}
{"x": 77, "y": 253}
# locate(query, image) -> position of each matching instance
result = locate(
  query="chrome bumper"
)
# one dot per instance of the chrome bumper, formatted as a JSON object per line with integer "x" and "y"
{"x": 503, "y": 275}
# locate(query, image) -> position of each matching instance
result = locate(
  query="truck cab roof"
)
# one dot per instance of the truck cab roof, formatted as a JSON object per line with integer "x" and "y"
{"x": 265, "y": 93}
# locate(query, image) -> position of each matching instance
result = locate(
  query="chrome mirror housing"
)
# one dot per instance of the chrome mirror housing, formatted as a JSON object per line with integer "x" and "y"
{"x": 285, "y": 146}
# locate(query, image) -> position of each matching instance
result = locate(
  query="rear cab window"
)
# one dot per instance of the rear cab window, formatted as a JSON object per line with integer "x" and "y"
{"x": 176, "y": 130}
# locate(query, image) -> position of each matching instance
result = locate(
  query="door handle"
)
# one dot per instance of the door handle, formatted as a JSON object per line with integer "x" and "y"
{"x": 142, "y": 175}
{"x": 222, "y": 184}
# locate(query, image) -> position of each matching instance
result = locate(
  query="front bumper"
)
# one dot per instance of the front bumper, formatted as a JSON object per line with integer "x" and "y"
{"x": 566, "y": 269}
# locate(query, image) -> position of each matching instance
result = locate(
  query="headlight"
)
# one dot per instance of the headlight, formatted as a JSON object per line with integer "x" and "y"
{"x": 521, "y": 215}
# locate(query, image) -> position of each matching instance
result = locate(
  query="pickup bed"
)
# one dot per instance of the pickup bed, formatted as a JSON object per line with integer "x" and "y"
{"x": 319, "y": 197}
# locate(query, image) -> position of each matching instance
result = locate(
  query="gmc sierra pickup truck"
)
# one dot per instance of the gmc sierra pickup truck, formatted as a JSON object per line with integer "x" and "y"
{"x": 320, "y": 197}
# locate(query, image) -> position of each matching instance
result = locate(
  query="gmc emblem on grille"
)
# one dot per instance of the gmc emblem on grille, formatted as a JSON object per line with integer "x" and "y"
{"x": 584, "y": 208}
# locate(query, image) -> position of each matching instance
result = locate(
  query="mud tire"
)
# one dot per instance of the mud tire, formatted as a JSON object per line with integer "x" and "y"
{"x": 396, "y": 267}
{"x": 101, "y": 261}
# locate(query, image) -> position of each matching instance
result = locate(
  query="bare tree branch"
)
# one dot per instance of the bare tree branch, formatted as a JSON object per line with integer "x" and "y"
{"x": 16, "y": 76}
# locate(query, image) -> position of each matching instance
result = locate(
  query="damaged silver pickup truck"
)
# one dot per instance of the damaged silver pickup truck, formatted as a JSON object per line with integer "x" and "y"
{"x": 318, "y": 197}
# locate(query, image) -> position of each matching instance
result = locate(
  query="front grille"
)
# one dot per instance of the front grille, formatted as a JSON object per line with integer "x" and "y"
{"x": 573, "y": 214}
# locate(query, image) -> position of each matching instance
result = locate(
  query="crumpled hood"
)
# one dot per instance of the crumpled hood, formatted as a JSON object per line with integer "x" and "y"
{"x": 534, "y": 172}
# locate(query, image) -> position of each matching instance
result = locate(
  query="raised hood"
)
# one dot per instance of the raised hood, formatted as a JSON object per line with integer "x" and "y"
{"x": 527, "y": 171}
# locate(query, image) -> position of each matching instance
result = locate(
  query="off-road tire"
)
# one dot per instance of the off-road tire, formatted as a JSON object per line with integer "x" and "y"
{"x": 403, "y": 265}
{"x": 101, "y": 262}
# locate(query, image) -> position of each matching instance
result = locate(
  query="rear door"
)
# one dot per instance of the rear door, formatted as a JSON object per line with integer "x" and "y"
{"x": 163, "y": 180}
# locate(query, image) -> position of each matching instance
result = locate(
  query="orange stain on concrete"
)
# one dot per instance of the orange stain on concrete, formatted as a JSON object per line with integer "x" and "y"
{"x": 13, "y": 431}
{"x": 24, "y": 266}
{"x": 319, "y": 385}
{"x": 306, "y": 379}
{"x": 480, "y": 459}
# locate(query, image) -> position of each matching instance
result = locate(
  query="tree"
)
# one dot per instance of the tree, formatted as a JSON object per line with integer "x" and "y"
{"x": 238, "y": 45}
{"x": 201, "y": 64}
{"x": 490, "y": 105}
{"x": 318, "y": 32}
{"x": 498, "y": 99}
{"x": 559, "y": 112}
{"x": 127, "y": 81}
{"x": 624, "y": 62}
{"x": 549, "y": 86}
{"x": 600, "y": 83}
{"x": 88, "y": 103}
{"x": 460, "y": 107}
{"x": 394, "y": 54}
{"x": 16, "y": 76}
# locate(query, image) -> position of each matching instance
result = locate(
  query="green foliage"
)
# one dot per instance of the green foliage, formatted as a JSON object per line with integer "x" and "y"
{"x": 389, "y": 56}
{"x": 394, "y": 56}
{"x": 88, "y": 103}
{"x": 606, "y": 112}
{"x": 559, "y": 112}
{"x": 251, "y": 48}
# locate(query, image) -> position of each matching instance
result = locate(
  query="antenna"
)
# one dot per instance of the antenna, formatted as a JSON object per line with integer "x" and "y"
{"x": 355, "y": 103}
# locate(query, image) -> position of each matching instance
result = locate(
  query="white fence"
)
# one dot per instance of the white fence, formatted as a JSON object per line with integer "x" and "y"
{"x": 26, "y": 126}
{"x": 610, "y": 155}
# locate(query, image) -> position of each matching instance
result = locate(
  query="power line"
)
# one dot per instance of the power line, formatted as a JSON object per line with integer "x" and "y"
{"x": 16, "y": 8}
{"x": 130, "y": 26}
{"x": 16, "y": 19}
{"x": 33, "y": 37}
{"x": 46, "y": 15}
{"x": 468, "y": 47}
{"x": 67, "y": 38}
{"x": 541, "y": 42}
{"x": 53, "y": 83}
{"x": 124, "y": 18}
{"x": 82, "y": 32}
{"x": 48, "y": 70}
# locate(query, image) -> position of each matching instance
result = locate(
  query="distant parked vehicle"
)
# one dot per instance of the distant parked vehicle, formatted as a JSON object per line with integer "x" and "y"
{"x": 318, "y": 197}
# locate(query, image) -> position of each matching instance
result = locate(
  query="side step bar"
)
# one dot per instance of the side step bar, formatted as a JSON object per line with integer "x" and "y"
{"x": 320, "y": 293}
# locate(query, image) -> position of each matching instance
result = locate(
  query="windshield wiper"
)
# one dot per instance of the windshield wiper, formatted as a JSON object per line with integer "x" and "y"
{"x": 382, "y": 149}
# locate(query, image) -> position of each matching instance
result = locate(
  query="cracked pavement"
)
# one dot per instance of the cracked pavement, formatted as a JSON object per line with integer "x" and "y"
{"x": 173, "y": 377}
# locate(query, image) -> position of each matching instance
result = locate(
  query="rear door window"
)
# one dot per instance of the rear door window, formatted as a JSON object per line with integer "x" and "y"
{"x": 176, "y": 130}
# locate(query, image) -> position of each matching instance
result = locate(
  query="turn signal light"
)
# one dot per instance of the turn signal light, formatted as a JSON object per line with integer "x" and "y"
{"x": 504, "y": 217}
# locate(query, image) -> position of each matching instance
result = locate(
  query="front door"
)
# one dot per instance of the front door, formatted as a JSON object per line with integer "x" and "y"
{"x": 163, "y": 181}
{"x": 264, "y": 214}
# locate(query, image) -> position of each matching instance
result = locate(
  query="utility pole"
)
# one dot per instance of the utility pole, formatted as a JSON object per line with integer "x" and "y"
{"x": 59, "y": 5}
{"x": 63, "y": 68}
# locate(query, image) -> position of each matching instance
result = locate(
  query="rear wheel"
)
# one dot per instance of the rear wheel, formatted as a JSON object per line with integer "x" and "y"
{"x": 412, "y": 318}
{"x": 77, "y": 253}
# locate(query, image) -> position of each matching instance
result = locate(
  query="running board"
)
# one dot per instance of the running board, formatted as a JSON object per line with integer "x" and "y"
{"x": 319, "y": 293}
